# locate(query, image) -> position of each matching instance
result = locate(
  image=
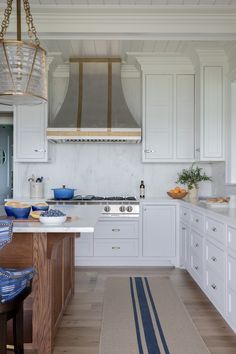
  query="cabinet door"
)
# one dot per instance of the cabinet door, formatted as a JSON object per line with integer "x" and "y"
{"x": 30, "y": 124}
{"x": 212, "y": 130}
{"x": 84, "y": 245}
{"x": 184, "y": 246}
{"x": 185, "y": 117}
{"x": 159, "y": 231}
{"x": 158, "y": 139}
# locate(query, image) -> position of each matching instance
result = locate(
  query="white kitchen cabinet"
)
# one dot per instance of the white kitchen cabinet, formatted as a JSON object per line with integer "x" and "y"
{"x": 168, "y": 111}
{"x": 210, "y": 106}
{"x": 184, "y": 117}
{"x": 159, "y": 231}
{"x": 30, "y": 123}
{"x": 83, "y": 246}
{"x": 184, "y": 240}
{"x": 212, "y": 120}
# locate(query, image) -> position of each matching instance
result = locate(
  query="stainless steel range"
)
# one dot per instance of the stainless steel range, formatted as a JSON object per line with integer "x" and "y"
{"x": 114, "y": 206}
{"x": 123, "y": 210}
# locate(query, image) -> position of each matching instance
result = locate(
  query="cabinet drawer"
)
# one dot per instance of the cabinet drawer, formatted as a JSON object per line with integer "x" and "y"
{"x": 231, "y": 238}
{"x": 116, "y": 248}
{"x": 215, "y": 258}
{"x": 196, "y": 268}
{"x": 215, "y": 288}
{"x": 231, "y": 265}
{"x": 185, "y": 214}
{"x": 196, "y": 244}
{"x": 215, "y": 229}
{"x": 231, "y": 307}
{"x": 112, "y": 229}
{"x": 197, "y": 221}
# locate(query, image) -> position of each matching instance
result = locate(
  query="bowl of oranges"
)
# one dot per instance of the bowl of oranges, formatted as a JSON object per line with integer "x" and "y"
{"x": 177, "y": 193}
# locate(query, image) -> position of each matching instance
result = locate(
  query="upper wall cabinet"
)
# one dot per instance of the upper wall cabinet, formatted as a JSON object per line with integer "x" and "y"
{"x": 168, "y": 111}
{"x": 30, "y": 143}
{"x": 210, "y": 105}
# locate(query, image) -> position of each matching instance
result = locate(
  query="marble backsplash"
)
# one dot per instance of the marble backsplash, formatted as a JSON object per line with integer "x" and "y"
{"x": 102, "y": 169}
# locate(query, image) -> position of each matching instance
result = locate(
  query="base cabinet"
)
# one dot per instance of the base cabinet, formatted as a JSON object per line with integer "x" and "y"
{"x": 184, "y": 232}
{"x": 231, "y": 307}
{"x": 159, "y": 231}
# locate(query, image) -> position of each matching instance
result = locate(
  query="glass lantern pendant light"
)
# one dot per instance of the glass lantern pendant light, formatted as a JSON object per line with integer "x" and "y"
{"x": 22, "y": 64}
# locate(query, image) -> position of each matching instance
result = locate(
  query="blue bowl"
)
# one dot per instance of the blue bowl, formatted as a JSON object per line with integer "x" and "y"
{"x": 21, "y": 213}
{"x": 8, "y": 210}
{"x": 40, "y": 207}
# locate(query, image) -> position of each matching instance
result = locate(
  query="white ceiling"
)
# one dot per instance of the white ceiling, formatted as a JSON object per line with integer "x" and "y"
{"x": 134, "y": 2}
{"x": 71, "y": 31}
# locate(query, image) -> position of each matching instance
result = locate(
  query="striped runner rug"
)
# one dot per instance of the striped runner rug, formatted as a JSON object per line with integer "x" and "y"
{"x": 146, "y": 316}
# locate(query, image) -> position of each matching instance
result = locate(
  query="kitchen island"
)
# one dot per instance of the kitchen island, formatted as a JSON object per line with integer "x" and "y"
{"x": 50, "y": 249}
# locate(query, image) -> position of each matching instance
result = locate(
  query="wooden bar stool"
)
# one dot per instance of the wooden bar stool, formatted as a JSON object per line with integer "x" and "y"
{"x": 13, "y": 309}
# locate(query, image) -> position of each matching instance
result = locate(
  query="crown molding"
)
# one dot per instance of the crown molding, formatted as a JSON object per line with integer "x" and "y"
{"x": 171, "y": 62}
{"x": 73, "y": 22}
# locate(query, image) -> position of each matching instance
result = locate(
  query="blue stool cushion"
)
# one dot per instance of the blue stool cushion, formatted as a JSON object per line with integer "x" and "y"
{"x": 6, "y": 227}
{"x": 14, "y": 281}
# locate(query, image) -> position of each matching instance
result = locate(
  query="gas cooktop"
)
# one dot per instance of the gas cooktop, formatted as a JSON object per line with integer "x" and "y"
{"x": 94, "y": 198}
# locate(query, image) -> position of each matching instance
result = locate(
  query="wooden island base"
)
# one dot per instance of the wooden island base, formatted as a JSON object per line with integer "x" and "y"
{"x": 52, "y": 254}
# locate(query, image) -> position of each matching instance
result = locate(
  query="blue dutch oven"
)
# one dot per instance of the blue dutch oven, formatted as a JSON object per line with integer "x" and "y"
{"x": 63, "y": 193}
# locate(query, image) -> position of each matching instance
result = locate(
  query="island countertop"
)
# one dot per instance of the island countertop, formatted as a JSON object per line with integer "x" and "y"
{"x": 83, "y": 219}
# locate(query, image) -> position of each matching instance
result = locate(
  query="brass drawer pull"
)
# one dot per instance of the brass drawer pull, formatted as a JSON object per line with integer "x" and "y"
{"x": 115, "y": 248}
{"x": 213, "y": 286}
{"x": 214, "y": 259}
{"x": 116, "y": 230}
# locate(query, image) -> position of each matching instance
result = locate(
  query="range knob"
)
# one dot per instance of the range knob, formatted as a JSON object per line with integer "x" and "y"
{"x": 122, "y": 208}
{"x": 107, "y": 208}
{"x": 129, "y": 208}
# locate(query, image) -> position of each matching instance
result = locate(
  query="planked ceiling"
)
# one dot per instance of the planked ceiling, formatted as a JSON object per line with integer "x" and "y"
{"x": 119, "y": 47}
{"x": 134, "y": 2}
{"x": 73, "y": 48}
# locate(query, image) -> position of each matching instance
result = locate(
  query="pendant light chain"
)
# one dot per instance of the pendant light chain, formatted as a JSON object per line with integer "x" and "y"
{"x": 6, "y": 20}
{"x": 29, "y": 20}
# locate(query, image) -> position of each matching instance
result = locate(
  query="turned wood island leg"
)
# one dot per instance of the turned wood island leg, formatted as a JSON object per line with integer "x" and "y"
{"x": 52, "y": 254}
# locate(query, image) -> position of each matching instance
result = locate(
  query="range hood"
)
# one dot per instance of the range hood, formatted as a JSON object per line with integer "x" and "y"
{"x": 94, "y": 109}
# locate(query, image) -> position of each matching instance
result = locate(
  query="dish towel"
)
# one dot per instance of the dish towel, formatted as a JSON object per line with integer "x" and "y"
{"x": 6, "y": 227}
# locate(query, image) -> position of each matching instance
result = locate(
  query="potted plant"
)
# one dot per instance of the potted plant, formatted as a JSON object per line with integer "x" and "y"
{"x": 191, "y": 178}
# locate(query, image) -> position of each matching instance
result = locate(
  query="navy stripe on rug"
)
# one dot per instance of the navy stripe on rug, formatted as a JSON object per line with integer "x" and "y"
{"x": 157, "y": 318}
{"x": 150, "y": 336}
{"x": 136, "y": 317}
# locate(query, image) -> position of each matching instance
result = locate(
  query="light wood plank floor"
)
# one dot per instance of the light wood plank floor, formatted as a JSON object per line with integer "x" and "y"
{"x": 80, "y": 328}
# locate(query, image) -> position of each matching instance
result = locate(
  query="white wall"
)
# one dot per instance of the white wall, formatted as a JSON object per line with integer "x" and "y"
{"x": 103, "y": 169}
{"x": 219, "y": 187}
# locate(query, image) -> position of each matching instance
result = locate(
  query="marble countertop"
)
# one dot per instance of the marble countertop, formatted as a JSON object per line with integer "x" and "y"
{"x": 83, "y": 219}
{"x": 226, "y": 213}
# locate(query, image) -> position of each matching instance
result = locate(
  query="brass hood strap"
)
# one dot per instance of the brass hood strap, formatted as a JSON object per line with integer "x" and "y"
{"x": 109, "y": 97}
{"x": 79, "y": 117}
